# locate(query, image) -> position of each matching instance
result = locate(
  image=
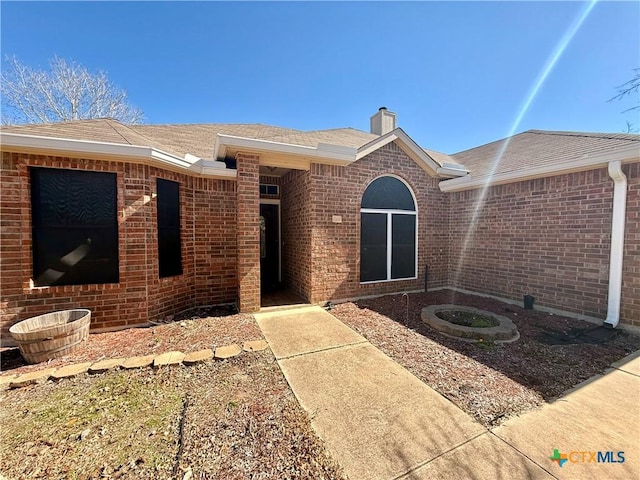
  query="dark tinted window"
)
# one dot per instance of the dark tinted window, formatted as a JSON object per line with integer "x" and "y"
{"x": 388, "y": 193}
{"x": 373, "y": 247}
{"x": 169, "y": 246}
{"x": 387, "y": 255}
{"x": 403, "y": 246}
{"x": 74, "y": 227}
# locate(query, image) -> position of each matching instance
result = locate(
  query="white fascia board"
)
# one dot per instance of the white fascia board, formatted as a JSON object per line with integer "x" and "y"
{"x": 625, "y": 155}
{"x": 409, "y": 146}
{"x": 212, "y": 168}
{"x": 450, "y": 170}
{"x": 19, "y": 140}
{"x": 117, "y": 151}
{"x": 321, "y": 151}
{"x": 374, "y": 145}
{"x": 66, "y": 145}
{"x": 337, "y": 154}
{"x": 164, "y": 157}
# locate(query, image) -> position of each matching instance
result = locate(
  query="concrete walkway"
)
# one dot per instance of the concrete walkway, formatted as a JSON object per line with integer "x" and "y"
{"x": 381, "y": 422}
{"x": 599, "y": 415}
{"x": 378, "y": 420}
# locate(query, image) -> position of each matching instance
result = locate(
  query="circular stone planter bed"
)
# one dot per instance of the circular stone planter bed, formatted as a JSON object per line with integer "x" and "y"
{"x": 487, "y": 326}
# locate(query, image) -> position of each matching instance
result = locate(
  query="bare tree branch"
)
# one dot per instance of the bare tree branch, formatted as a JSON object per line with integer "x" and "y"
{"x": 627, "y": 89}
{"x": 67, "y": 91}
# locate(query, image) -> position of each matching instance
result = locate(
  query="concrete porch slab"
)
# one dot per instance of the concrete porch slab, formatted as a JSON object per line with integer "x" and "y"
{"x": 600, "y": 415}
{"x": 304, "y": 330}
{"x": 379, "y": 421}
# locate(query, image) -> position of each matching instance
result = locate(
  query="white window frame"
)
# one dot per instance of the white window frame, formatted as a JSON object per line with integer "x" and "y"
{"x": 389, "y": 213}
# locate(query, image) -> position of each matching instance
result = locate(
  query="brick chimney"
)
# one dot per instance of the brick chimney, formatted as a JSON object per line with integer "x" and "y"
{"x": 383, "y": 121}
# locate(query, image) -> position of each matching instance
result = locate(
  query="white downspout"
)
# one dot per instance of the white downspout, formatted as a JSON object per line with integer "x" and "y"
{"x": 617, "y": 242}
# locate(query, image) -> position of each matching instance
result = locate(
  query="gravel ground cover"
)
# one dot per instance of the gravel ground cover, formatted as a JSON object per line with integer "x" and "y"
{"x": 491, "y": 382}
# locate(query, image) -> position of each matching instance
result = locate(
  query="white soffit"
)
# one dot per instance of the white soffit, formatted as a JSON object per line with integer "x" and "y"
{"x": 336, "y": 153}
{"x": 331, "y": 154}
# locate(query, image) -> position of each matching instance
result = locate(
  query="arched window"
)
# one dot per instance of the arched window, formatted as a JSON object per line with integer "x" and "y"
{"x": 388, "y": 240}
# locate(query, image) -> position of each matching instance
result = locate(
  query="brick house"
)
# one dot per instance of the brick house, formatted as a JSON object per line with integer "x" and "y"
{"x": 139, "y": 222}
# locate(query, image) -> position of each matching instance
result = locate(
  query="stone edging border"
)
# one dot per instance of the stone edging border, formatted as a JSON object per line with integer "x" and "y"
{"x": 155, "y": 360}
{"x": 505, "y": 332}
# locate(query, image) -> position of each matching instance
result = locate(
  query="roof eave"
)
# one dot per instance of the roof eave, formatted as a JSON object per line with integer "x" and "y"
{"x": 108, "y": 151}
{"x": 323, "y": 151}
{"x": 628, "y": 154}
{"x": 415, "y": 152}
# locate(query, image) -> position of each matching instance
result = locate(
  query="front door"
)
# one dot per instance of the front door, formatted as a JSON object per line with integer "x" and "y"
{"x": 269, "y": 247}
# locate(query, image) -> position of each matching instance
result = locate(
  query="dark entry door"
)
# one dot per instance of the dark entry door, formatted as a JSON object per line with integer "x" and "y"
{"x": 269, "y": 247}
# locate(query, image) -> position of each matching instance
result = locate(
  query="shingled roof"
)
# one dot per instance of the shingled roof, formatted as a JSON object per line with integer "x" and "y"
{"x": 537, "y": 148}
{"x": 97, "y": 130}
{"x": 533, "y": 148}
{"x": 195, "y": 139}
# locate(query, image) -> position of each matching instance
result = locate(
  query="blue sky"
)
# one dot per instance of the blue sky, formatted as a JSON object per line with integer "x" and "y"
{"x": 456, "y": 73}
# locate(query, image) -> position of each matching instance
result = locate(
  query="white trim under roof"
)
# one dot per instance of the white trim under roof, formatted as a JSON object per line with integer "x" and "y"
{"x": 113, "y": 151}
{"x": 408, "y": 146}
{"x": 625, "y": 155}
{"x": 272, "y": 153}
{"x": 224, "y": 143}
{"x": 334, "y": 154}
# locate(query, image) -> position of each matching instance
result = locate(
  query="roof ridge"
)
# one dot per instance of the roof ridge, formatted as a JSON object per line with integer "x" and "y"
{"x": 108, "y": 122}
{"x": 432, "y": 150}
{"x": 490, "y": 143}
{"x": 214, "y": 125}
{"x": 152, "y": 143}
{"x": 568, "y": 133}
{"x": 190, "y": 124}
{"x": 339, "y": 128}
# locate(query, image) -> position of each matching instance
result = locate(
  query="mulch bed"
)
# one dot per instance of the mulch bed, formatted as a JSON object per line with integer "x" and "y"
{"x": 491, "y": 382}
{"x": 189, "y": 331}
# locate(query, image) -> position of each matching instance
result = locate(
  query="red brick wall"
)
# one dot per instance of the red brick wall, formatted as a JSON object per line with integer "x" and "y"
{"x": 248, "y": 232}
{"x": 336, "y": 246}
{"x": 630, "y": 308}
{"x": 208, "y": 236}
{"x": 549, "y": 238}
{"x": 296, "y": 232}
{"x": 215, "y": 241}
{"x": 208, "y": 240}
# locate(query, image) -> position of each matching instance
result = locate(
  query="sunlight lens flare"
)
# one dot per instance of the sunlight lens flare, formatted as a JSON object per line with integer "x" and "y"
{"x": 533, "y": 92}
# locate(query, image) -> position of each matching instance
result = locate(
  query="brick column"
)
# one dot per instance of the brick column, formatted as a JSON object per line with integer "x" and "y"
{"x": 248, "y": 232}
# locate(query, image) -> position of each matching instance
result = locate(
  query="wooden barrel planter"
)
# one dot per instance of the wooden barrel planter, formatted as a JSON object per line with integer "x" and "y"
{"x": 51, "y": 335}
